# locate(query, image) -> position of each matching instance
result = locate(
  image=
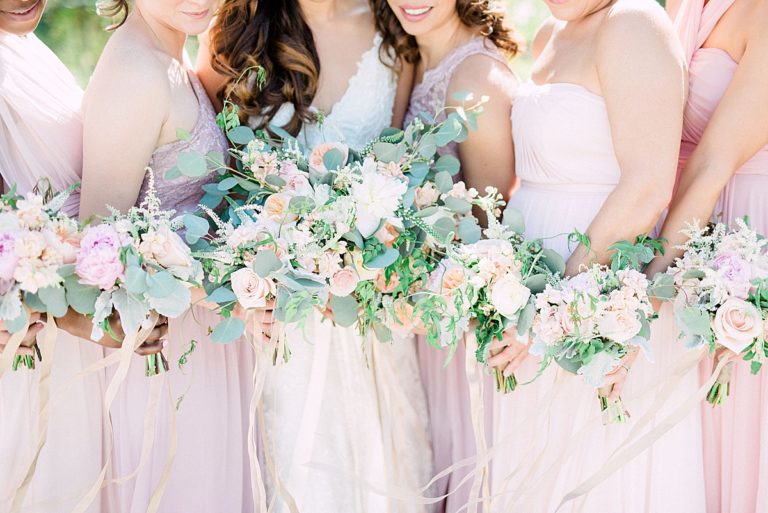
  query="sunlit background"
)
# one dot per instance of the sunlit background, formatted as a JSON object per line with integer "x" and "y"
{"x": 72, "y": 29}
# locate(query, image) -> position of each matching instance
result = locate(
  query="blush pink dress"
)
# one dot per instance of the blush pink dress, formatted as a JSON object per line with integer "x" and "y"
{"x": 446, "y": 385}
{"x": 548, "y": 435}
{"x": 736, "y": 433}
{"x": 41, "y": 138}
{"x": 211, "y": 393}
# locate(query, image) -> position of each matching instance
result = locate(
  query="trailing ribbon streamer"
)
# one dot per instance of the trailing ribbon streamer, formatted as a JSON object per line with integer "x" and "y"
{"x": 475, "y": 382}
{"x": 258, "y": 490}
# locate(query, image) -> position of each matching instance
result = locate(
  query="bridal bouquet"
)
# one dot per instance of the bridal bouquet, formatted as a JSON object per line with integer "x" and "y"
{"x": 722, "y": 295}
{"x": 492, "y": 282}
{"x": 589, "y": 322}
{"x": 36, "y": 243}
{"x": 135, "y": 264}
{"x": 358, "y": 232}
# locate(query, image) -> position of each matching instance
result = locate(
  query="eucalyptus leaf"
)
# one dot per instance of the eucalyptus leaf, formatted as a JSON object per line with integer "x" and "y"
{"x": 458, "y": 205}
{"x": 694, "y": 274}
{"x": 428, "y": 211}
{"x": 228, "y": 330}
{"x": 227, "y": 183}
{"x": 525, "y": 319}
{"x": 192, "y": 164}
{"x": 409, "y": 197}
{"x": 554, "y": 261}
{"x": 34, "y": 303}
{"x": 383, "y": 333}
{"x": 55, "y": 300}
{"x": 427, "y": 146}
{"x": 449, "y": 164}
{"x": 301, "y": 204}
{"x": 196, "y": 228}
{"x": 383, "y": 260}
{"x": 266, "y": 262}
{"x": 17, "y": 323}
{"x": 161, "y": 284}
{"x": 173, "y": 173}
{"x": 444, "y": 182}
{"x": 514, "y": 220}
{"x": 444, "y": 227}
{"x": 82, "y": 298}
{"x": 275, "y": 181}
{"x": 536, "y": 283}
{"x": 387, "y": 152}
{"x": 241, "y": 135}
{"x": 131, "y": 309}
{"x": 173, "y": 305}
{"x": 333, "y": 159}
{"x": 216, "y": 160}
{"x": 469, "y": 230}
{"x": 222, "y": 295}
{"x": 135, "y": 279}
{"x": 345, "y": 310}
{"x": 355, "y": 237}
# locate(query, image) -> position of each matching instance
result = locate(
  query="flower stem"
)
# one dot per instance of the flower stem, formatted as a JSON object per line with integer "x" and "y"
{"x": 614, "y": 412}
{"x": 505, "y": 384}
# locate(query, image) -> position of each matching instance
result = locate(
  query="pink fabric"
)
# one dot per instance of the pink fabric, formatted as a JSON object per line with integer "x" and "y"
{"x": 210, "y": 473}
{"x": 40, "y": 137}
{"x": 549, "y": 434}
{"x": 735, "y": 434}
{"x": 446, "y": 385}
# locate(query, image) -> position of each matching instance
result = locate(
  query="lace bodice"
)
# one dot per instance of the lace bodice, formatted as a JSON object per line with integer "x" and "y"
{"x": 363, "y": 111}
{"x": 182, "y": 194}
{"x": 429, "y": 95}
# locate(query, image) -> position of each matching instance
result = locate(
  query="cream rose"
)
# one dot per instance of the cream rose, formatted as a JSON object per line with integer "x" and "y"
{"x": 343, "y": 282}
{"x": 166, "y": 248}
{"x": 619, "y": 325}
{"x": 252, "y": 290}
{"x": 509, "y": 296}
{"x": 737, "y": 323}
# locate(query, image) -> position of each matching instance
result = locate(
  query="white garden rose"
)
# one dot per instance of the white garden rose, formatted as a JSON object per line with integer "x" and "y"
{"x": 509, "y": 295}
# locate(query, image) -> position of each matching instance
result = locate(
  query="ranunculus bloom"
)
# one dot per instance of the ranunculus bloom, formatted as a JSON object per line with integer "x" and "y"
{"x": 276, "y": 208}
{"x": 509, "y": 296}
{"x": 252, "y": 290}
{"x": 736, "y": 324}
{"x": 384, "y": 286}
{"x": 98, "y": 262}
{"x": 318, "y": 152}
{"x": 8, "y": 257}
{"x": 344, "y": 282}
{"x": 619, "y": 326}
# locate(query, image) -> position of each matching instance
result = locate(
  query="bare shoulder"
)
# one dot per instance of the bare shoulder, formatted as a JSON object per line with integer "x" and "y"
{"x": 543, "y": 35}
{"x": 132, "y": 72}
{"x": 759, "y": 16}
{"x": 638, "y": 30}
{"x": 483, "y": 75}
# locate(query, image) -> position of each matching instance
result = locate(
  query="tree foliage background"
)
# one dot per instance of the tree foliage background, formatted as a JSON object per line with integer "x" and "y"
{"x": 72, "y": 29}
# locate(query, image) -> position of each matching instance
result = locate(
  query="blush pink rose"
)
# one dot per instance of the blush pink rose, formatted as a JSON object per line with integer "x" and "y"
{"x": 318, "y": 153}
{"x": 276, "y": 208}
{"x": 344, "y": 282}
{"x": 736, "y": 324}
{"x": 166, "y": 248}
{"x": 98, "y": 262}
{"x": 8, "y": 258}
{"x": 252, "y": 290}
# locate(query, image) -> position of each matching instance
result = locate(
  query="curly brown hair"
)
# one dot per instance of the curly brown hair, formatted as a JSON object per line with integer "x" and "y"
{"x": 275, "y": 36}
{"x": 485, "y": 16}
{"x": 113, "y": 9}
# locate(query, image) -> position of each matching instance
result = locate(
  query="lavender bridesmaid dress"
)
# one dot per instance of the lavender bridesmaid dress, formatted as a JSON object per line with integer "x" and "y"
{"x": 211, "y": 393}
{"x": 446, "y": 386}
{"x": 41, "y": 137}
{"x": 549, "y": 435}
{"x": 736, "y": 433}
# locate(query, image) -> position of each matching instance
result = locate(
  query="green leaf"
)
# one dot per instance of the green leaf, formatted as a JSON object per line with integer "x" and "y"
{"x": 427, "y": 146}
{"x": 345, "y": 310}
{"x": 241, "y": 135}
{"x": 536, "y": 283}
{"x": 383, "y": 260}
{"x": 248, "y": 185}
{"x": 266, "y": 262}
{"x": 694, "y": 274}
{"x": 333, "y": 159}
{"x": 469, "y": 230}
{"x": 228, "y": 331}
{"x": 444, "y": 181}
{"x": 525, "y": 319}
{"x": 514, "y": 220}
{"x": 444, "y": 227}
{"x": 161, "y": 284}
{"x": 227, "y": 183}
{"x": 17, "y": 323}
{"x": 355, "y": 237}
{"x": 173, "y": 173}
{"x": 192, "y": 164}
{"x": 222, "y": 295}
{"x": 34, "y": 303}
{"x": 693, "y": 321}
{"x": 458, "y": 205}
{"x": 553, "y": 261}
{"x": 428, "y": 211}
{"x": 182, "y": 135}
{"x": 275, "y": 181}
{"x": 301, "y": 204}
{"x": 449, "y": 164}
{"x": 135, "y": 279}
{"x": 82, "y": 298}
{"x": 132, "y": 310}
{"x": 216, "y": 160}
{"x": 383, "y": 333}
{"x": 662, "y": 287}
{"x": 419, "y": 171}
{"x": 196, "y": 228}
{"x": 388, "y": 152}
{"x": 409, "y": 197}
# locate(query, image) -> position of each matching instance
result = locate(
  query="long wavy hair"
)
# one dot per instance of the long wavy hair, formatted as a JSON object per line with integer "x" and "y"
{"x": 273, "y": 35}
{"x": 485, "y": 16}
{"x": 113, "y": 9}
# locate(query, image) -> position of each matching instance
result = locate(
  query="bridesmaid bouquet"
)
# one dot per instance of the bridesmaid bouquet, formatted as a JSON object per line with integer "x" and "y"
{"x": 134, "y": 264}
{"x": 358, "y": 232}
{"x": 589, "y": 322}
{"x": 492, "y": 282}
{"x": 36, "y": 244}
{"x": 722, "y": 295}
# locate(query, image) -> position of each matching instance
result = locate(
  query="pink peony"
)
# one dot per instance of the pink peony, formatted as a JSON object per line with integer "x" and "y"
{"x": 8, "y": 257}
{"x": 252, "y": 290}
{"x": 98, "y": 262}
{"x": 344, "y": 282}
{"x": 736, "y": 324}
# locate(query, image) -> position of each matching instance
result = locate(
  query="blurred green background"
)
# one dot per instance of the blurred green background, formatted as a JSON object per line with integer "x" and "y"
{"x": 72, "y": 29}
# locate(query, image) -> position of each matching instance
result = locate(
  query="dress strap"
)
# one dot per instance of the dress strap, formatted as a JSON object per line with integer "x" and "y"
{"x": 695, "y": 22}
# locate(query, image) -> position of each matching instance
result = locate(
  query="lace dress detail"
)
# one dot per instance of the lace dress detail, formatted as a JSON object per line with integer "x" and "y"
{"x": 182, "y": 193}
{"x": 353, "y": 407}
{"x": 429, "y": 95}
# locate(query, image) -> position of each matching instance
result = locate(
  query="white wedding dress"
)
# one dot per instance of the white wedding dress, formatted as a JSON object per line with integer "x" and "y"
{"x": 346, "y": 415}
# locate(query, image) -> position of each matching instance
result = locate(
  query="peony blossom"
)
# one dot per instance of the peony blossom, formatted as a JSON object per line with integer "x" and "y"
{"x": 98, "y": 262}
{"x": 377, "y": 197}
{"x": 344, "y": 282}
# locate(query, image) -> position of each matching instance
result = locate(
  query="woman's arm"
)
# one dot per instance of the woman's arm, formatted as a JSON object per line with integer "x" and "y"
{"x": 642, "y": 77}
{"x": 125, "y": 107}
{"x": 405, "y": 79}
{"x": 737, "y": 130}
